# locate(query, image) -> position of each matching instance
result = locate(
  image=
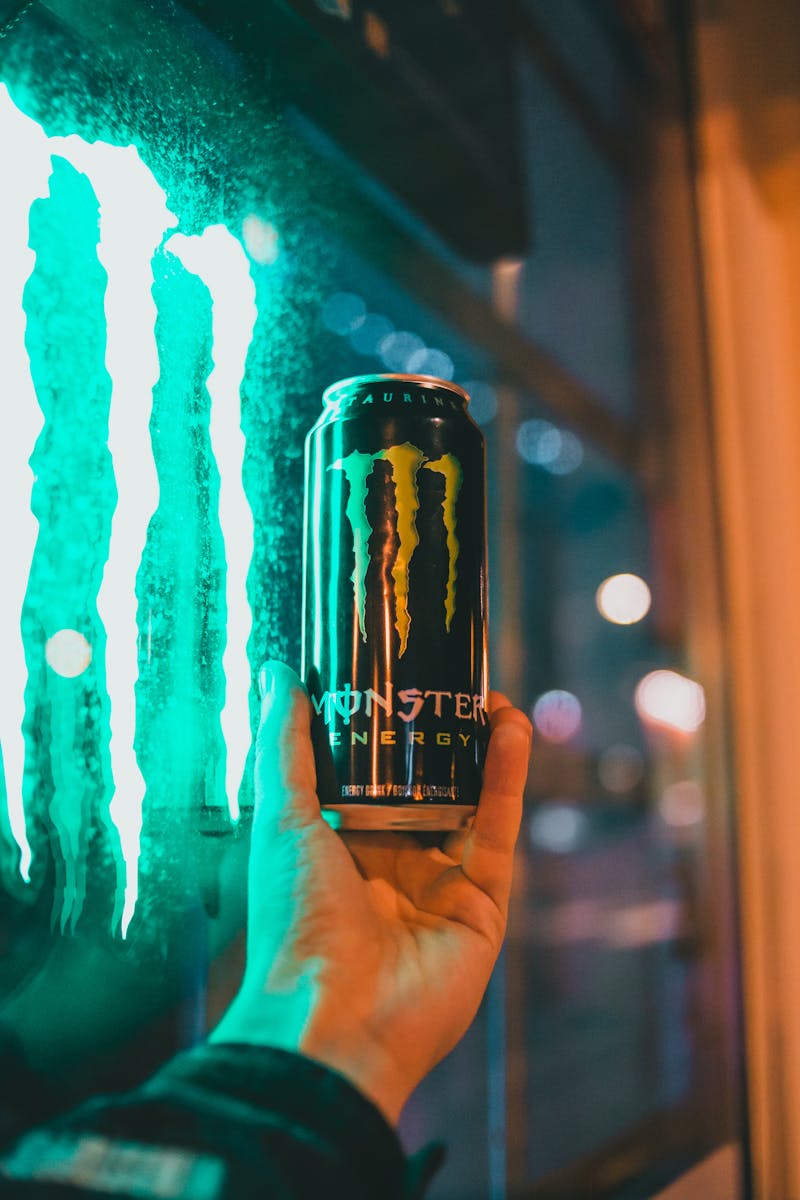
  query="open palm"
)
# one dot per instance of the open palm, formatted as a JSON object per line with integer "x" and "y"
{"x": 370, "y": 951}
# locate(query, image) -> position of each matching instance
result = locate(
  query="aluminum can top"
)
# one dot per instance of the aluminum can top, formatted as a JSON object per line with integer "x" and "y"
{"x": 334, "y": 394}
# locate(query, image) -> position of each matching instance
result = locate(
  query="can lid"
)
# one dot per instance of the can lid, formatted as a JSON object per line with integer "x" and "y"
{"x": 334, "y": 393}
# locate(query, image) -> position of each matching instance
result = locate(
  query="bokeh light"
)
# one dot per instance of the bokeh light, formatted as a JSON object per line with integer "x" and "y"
{"x": 558, "y": 827}
{"x": 557, "y": 715}
{"x": 482, "y": 400}
{"x": 672, "y": 700}
{"x": 682, "y": 804}
{"x": 623, "y": 599}
{"x": 542, "y": 444}
{"x": 538, "y": 442}
{"x": 68, "y": 653}
{"x": 620, "y": 768}
{"x": 336, "y": 8}
{"x": 428, "y": 361}
{"x": 343, "y": 312}
{"x": 397, "y": 349}
{"x": 261, "y": 240}
{"x": 367, "y": 335}
{"x": 569, "y": 457}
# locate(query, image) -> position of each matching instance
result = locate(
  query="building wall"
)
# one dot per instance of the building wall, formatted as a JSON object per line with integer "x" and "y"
{"x": 748, "y": 192}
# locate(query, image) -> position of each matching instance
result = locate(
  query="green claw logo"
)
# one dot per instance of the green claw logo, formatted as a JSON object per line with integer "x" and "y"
{"x": 405, "y": 461}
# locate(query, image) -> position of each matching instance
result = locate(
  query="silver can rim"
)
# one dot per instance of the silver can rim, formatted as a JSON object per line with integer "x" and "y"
{"x": 331, "y": 394}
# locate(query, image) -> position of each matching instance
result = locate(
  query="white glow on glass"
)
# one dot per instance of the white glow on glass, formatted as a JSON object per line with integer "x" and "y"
{"x": 343, "y": 313}
{"x": 557, "y": 827}
{"x": 27, "y": 167}
{"x": 623, "y": 599}
{"x": 557, "y": 715}
{"x": 398, "y": 348}
{"x": 133, "y": 220}
{"x": 428, "y": 361}
{"x": 367, "y": 336}
{"x": 682, "y": 804}
{"x": 672, "y": 700}
{"x": 68, "y": 653}
{"x": 219, "y": 260}
{"x": 261, "y": 240}
{"x": 482, "y": 400}
{"x": 620, "y": 768}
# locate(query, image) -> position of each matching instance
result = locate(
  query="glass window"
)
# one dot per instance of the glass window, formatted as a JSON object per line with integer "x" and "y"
{"x": 187, "y": 263}
{"x": 579, "y": 32}
{"x": 574, "y": 285}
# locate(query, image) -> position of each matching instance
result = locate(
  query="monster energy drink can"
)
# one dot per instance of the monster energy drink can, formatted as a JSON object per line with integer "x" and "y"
{"x": 394, "y": 606}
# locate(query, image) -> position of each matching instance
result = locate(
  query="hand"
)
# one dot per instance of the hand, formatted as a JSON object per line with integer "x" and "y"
{"x": 369, "y": 951}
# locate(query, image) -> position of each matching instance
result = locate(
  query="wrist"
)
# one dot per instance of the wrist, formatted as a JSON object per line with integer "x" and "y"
{"x": 290, "y": 1022}
{"x": 367, "y": 1065}
{"x": 265, "y": 1020}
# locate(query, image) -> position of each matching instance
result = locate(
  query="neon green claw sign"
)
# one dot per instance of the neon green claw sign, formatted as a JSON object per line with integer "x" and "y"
{"x": 135, "y": 226}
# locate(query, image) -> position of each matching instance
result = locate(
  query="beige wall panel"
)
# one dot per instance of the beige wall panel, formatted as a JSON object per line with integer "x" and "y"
{"x": 749, "y": 206}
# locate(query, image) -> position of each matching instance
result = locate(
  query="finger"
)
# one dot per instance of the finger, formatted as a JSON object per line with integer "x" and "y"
{"x": 285, "y": 775}
{"x": 375, "y": 852}
{"x": 497, "y": 700}
{"x": 454, "y": 842}
{"x": 488, "y": 854}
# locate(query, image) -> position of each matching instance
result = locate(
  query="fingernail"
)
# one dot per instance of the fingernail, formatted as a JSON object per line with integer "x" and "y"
{"x": 266, "y": 678}
{"x": 502, "y": 716}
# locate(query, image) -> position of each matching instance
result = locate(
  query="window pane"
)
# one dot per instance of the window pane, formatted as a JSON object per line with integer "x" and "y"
{"x": 573, "y": 289}
{"x": 185, "y": 270}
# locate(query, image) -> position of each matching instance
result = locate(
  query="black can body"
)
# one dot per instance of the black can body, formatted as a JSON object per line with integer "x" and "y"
{"x": 395, "y": 603}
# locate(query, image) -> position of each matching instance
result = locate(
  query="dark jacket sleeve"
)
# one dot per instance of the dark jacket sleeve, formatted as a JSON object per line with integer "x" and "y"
{"x": 222, "y": 1122}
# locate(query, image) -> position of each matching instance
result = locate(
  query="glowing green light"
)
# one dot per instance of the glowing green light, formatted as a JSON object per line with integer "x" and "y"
{"x": 219, "y": 260}
{"x": 94, "y": 351}
{"x": 26, "y": 168}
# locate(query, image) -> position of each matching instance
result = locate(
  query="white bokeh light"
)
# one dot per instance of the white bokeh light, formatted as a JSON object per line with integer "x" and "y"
{"x": 68, "y": 653}
{"x": 672, "y": 700}
{"x": 623, "y": 599}
{"x": 558, "y": 827}
{"x": 261, "y": 240}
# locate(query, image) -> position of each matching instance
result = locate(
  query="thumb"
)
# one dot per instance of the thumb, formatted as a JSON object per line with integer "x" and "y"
{"x": 285, "y": 776}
